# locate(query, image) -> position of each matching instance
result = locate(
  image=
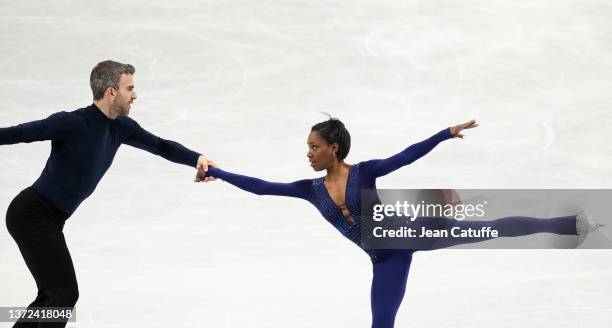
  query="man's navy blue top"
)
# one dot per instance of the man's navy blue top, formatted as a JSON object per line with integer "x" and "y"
{"x": 84, "y": 144}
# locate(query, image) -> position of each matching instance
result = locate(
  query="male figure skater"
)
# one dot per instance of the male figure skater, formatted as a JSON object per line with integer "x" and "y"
{"x": 83, "y": 145}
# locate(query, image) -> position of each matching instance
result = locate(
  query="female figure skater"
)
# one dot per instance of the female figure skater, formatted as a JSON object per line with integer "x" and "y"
{"x": 337, "y": 197}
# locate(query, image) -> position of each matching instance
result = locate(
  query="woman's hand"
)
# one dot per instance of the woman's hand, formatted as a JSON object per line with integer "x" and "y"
{"x": 456, "y": 130}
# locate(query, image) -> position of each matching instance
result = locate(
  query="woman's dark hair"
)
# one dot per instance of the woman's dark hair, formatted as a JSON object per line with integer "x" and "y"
{"x": 333, "y": 131}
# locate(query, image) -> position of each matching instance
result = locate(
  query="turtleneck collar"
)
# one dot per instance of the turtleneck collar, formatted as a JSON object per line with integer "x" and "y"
{"x": 99, "y": 114}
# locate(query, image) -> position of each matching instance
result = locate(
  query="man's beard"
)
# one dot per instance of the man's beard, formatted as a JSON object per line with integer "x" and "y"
{"x": 120, "y": 110}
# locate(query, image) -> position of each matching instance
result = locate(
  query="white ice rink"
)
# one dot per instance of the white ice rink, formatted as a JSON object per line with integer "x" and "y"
{"x": 242, "y": 82}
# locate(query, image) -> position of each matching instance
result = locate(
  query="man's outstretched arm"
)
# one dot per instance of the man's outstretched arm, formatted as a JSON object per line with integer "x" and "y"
{"x": 59, "y": 126}
{"x": 168, "y": 149}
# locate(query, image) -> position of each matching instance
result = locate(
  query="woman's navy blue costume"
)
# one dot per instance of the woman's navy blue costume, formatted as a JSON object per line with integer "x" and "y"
{"x": 84, "y": 144}
{"x": 390, "y": 267}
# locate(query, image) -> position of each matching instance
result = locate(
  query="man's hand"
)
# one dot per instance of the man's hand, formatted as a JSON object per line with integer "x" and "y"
{"x": 202, "y": 165}
{"x": 456, "y": 130}
{"x": 202, "y": 168}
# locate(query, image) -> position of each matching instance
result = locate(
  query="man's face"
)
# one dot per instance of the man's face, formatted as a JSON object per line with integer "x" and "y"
{"x": 124, "y": 96}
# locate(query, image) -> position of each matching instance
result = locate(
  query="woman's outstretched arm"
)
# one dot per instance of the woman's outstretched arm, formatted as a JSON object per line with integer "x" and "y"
{"x": 298, "y": 189}
{"x": 381, "y": 167}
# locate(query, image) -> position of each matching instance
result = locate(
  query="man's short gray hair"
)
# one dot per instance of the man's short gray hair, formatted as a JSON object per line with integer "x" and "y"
{"x": 107, "y": 74}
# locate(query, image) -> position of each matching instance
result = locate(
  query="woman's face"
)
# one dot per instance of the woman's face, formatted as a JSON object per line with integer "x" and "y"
{"x": 321, "y": 154}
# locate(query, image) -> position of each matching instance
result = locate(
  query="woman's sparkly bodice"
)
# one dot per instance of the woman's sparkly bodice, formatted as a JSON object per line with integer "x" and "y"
{"x": 332, "y": 213}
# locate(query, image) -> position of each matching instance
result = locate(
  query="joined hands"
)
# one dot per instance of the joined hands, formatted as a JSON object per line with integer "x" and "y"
{"x": 202, "y": 168}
